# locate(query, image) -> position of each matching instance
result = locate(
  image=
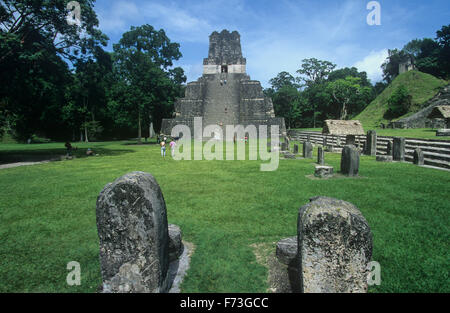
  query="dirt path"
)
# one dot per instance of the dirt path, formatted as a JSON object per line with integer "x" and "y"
{"x": 11, "y": 165}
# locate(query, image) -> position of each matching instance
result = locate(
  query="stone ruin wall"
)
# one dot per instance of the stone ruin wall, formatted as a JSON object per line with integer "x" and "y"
{"x": 420, "y": 119}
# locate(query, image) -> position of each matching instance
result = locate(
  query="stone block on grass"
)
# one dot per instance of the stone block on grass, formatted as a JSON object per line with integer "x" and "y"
{"x": 323, "y": 171}
{"x": 350, "y": 160}
{"x": 334, "y": 247}
{"x": 134, "y": 238}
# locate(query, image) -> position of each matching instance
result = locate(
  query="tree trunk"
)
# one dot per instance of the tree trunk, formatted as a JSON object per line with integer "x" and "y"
{"x": 85, "y": 100}
{"x": 139, "y": 128}
{"x": 344, "y": 111}
{"x": 81, "y": 136}
{"x": 314, "y": 116}
{"x": 151, "y": 132}
{"x": 86, "y": 133}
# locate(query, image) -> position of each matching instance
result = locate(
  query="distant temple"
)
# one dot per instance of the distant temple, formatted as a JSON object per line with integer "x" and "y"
{"x": 225, "y": 94}
{"x": 406, "y": 66}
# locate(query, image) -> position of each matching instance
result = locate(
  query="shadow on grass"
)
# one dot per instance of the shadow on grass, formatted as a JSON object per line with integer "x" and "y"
{"x": 13, "y": 156}
{"x": 140, "y": 144}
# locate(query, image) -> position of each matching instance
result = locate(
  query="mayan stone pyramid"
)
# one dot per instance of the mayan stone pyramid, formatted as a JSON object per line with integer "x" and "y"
{"x": 224, "y": 94}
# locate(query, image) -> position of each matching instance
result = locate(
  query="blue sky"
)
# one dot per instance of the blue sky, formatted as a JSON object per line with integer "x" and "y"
{"x": 277, "y": 34}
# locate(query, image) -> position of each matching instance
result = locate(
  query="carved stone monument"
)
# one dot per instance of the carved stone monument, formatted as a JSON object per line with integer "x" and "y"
{"x": 418, "y": 157}
{"x": 398, "y": 149}
{"x": 371, "y": 143}
{"x": 134, "y": 237}
{"x": 320, "y": 156}
{"x": 323, "y": 171}
{"x": 334, "y": 247}
{"x": 307, "y": 150}
{"x": 350, "y": 160}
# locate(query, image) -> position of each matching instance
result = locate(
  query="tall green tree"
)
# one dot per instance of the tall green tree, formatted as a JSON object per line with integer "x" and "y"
{"x": 413, "y": 48}
{"x": 428, "y": 58}
{"x": 35, "y": 42}
{"x": 88, "y": 94}
{"x": 283, "y": 79}
{"x": 345, "y": 72}
{"x": 286, "y": 104}
{"x": 443, "y": 39}
{"x": 313, "y": 73}
{"x": 143, "y": 61}
{"x": 286, "y": 97}
{"x": 346, "y": 92}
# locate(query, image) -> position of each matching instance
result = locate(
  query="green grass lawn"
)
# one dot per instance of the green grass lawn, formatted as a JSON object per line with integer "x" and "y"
{"x": 47, "y": 216}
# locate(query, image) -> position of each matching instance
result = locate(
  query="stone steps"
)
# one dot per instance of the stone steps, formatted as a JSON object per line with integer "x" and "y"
{"x": 220, "y": 97}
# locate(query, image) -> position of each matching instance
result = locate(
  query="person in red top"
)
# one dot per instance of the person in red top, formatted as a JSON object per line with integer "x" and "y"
{"x": 172, "y": 147}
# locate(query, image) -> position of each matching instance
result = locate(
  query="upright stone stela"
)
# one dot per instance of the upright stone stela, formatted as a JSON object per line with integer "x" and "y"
{"x": 371, "y": 143}
{"x": 225, "y": 94}
{"x": 133, "y": 234}
{"x": 398, "y": 149}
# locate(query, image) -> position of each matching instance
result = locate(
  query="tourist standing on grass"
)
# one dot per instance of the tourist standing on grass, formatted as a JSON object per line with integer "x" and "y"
{"x": 163, "y": 148}
{"x": 69, "y": 148}
{"x": 172, "y": 147}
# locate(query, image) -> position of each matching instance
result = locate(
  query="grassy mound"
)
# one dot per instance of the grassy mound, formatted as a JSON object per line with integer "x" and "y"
{"x": 421, "y": 86}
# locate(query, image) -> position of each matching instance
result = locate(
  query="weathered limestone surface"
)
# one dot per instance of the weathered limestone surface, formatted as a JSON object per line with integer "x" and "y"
{"x": 307, "y": 150}
{"x": 350, "y": 139}
{"x": 371, "y": 143}
{"x": 175, "y": 242}
{"x": 287, "y": 250}
{"x": 384, "y": 158}
{"x": 286, "y": 139}
{"x": 334, "y": 247}
{"x": 350, "y": 160}
{"x": 389, "y": 148}
{"x": 420, "y": 119}
{"x": 295, "y": 148}
{"x": 398, "y": 149}
{"x": 418, "y": 157}
{"x": 320, "y": 156}
{"x": 443, "y": 132}
{"x": 133, "y": 232}
{"x": 323, "y": 171}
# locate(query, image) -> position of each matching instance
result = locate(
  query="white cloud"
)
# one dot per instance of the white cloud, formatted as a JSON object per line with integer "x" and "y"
{"x": 372, "y": 64}
{"x": 192, "y": 71}
{"x": 177, "y": 21}
{"x": 118, "y": 17}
